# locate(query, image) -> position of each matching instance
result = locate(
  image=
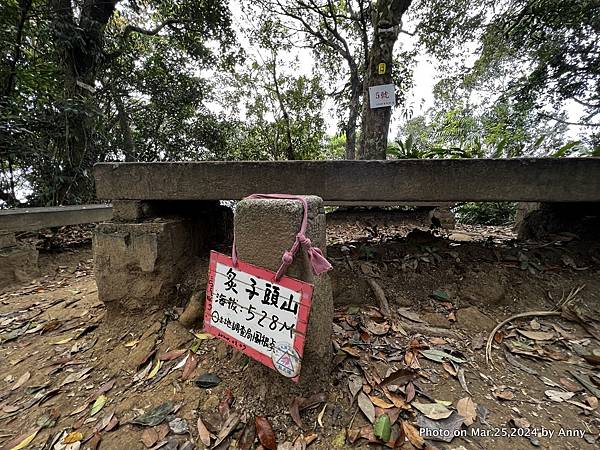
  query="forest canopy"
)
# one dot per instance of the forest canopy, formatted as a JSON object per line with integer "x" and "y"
{"x": 86, "y": 81}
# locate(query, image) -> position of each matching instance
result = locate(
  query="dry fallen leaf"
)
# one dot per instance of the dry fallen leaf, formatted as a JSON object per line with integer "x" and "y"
{"x": 592, "y": 401}
{"x": 21, "y": 381}
{"x": 94, "y": 442}
{"x": 320, "y": 416}
{"x": 246, "y": 440}
{"x": 410, "y": 392}
{"x": 478, "y": 341}
{"x": 381, "y": 403}
{"x": 468, "y": 409}
{"x": 102, "y": 389}
{"x": 149, "y": 437}
{"x": 62, "y": 341}
{"x": 227, "y": 428}
{"x": 351, "y": 351}
{"x": 504, "y": 395}
{"x": 190, "y": 365}
{"x": 75, "y": 436}
{"x": 114, "y": 422}
{"x": 449, "y": 368}
{"x": 413, "y": 434}
{"x": 265, "y": 433}
{"x": 536, "y": 335}
{"x": 410, "y": 315}
{"x": 444, "y": 430}
{"x": 171, "y": 355}
{"x": 225, "y": 403}
{"x": 103, "y": 423}
{"x": 558, "y": 396}
{"x": 162, "y": 430}
{"x": 22, "y": 441}
{"x": 377, "y": 328}
{"x": 295, "y": 411}
{"x": 570, "y": 385}
{"x": 365, "y": 405}
{"x": 203, "y": 433}
{"x": 76, "y": 376}
{"x": 434, "y": 411}
{"x": 131, "y": 344}
{"x": 521, "y": 422}
{"x": 355, "y": 383}
{"x": 396, "y": 400}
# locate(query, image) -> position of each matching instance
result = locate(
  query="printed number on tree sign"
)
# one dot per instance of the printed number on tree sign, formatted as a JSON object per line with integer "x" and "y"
{"x": 381, "y": 96}
{"x": 265, "y": 319}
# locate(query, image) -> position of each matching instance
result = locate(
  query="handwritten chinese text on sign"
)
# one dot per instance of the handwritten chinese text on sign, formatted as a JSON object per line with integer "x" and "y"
{"x": 266, "y": 320}
{"x": 382, "y": 95}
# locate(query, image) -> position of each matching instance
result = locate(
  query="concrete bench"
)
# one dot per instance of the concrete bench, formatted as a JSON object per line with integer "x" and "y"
{"x": 527, "y": 180}
{"x": 18, "y": 262}
{"x": 167, "y": 214}
{"x": 29, "y": 219}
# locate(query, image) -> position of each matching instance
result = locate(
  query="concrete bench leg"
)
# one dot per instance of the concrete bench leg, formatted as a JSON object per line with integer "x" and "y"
{"x": 538, "y": 220}
{"x": 18, "y": 262}
{"x": 143, "y": 262}
{"x": 264, "y": 229}
{"x": 444, "y": 216}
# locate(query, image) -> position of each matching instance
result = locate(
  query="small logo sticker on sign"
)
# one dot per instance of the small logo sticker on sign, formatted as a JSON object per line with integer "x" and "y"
{"x": 286, "y": 360}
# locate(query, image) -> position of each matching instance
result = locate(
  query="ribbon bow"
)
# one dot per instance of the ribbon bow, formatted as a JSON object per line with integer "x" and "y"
{"x": 318, "y": 262}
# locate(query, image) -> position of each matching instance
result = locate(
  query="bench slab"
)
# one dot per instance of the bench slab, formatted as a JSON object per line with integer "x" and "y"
{"x": 519, "y": 179}
{"x": 29, "y": 219}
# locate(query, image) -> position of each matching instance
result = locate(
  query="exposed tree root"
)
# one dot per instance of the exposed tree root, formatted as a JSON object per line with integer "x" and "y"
{"x": 556, "y": 312}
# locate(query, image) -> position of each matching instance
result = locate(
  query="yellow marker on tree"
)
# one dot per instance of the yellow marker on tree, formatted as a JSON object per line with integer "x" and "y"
{"x": 381, "y": 68}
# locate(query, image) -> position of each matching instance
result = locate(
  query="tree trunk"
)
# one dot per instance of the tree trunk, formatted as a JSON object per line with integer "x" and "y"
{"x": 126, "y": 136}
{"x": 350, "y": 132}
{"x": 289, "y": 150}
{"x": 79, "y": 58}
{"x": 9, "y": 84}
{"x": 375, "y": 126}
{"x": 353, "y": 111}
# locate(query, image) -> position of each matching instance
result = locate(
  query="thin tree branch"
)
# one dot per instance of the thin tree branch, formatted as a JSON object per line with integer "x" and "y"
{"x": 153, "y": 31}
{"x": 566, "y": 122}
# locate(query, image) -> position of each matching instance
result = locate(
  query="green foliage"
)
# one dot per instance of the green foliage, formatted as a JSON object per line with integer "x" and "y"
{"x": 533, "y": 58}
{"x": 486, "y": 213}
{"x": 470, "y": 132}
{"x": 282, "y": 117}
{"x": 335, "y": 147}
{"x": 134, "y": 87}
{"x": 168, "y": 81}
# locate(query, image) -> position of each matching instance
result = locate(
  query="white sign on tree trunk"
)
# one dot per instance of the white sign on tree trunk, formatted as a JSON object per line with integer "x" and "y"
{"x": 382, "y": 95}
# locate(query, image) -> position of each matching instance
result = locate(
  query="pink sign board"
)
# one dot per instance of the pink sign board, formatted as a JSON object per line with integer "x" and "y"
{"x": 264, "y": 318}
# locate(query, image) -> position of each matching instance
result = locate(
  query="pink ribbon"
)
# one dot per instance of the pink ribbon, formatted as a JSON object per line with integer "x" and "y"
{"x": 318, "y": 262}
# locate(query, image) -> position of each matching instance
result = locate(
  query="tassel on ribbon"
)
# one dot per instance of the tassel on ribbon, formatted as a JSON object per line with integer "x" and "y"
{"x": 318, "y": 262}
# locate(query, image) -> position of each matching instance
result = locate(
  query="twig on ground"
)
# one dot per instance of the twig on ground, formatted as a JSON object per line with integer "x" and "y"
{"x": 380, "y": 296}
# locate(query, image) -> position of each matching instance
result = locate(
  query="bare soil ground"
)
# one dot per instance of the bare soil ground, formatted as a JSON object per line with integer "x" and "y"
{"x": 69, "y": 372}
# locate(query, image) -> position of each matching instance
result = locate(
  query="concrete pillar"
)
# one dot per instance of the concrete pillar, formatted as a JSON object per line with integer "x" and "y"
{"x": 149, "y": 262}
{"x": 264, "y": 229}
{"x": 543, "y": 219}
{"x": 443, "y": 216}
{"x": 7, "y": 239}
{"x": 18, "y": 262}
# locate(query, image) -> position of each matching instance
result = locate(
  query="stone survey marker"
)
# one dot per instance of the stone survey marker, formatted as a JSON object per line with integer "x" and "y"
{"x": 264, "y": 318}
